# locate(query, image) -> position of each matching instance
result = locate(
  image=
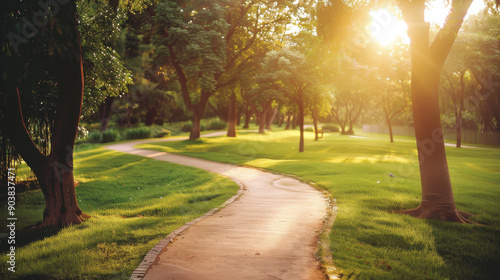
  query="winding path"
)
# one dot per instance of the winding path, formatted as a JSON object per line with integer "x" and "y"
{"x": 269, "y": 232}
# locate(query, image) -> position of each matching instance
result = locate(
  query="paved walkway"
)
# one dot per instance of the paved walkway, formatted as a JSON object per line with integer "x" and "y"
{"x": 270, "y": 232}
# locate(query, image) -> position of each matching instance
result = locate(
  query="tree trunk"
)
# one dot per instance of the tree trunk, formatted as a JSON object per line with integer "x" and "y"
{"x": 294, "y": 122}
{"x": 262, "y": 120}
{"x": 388, "y": 120}
{"x": 301, "y": 122}
{"x": 270, "y": 117}
{"x": 55, "y": 171}
{"x": 105, "y": 112}
{"x": 198, "y": 111}
{"x": 150, "y": 116}
{"x": 288, "y": 121}
{"x": 315, "y": 124}
{"x": 427, "y": 61}
{"x": 458, "y": 128}
{"x": 231, "y": 131}
{"x": 248, "y": 116}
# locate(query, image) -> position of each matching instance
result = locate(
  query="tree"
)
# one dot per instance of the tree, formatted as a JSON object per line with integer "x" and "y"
{"x": 288, "y": 72}
{"x": 51, "y": 50}
{"x": 427, "y": 62}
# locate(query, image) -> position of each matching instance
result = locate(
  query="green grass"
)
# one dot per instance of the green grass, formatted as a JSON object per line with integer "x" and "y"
{"x": 368, "y": 240}
{"x": 134, "y": 203}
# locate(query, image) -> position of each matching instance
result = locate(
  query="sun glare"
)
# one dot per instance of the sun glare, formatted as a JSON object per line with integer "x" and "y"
{"x": 387, "y": 28}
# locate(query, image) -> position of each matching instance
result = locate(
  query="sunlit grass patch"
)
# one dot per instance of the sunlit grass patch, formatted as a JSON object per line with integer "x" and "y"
{"x": 368, "y": 240}
{"x": 134, "y": 203}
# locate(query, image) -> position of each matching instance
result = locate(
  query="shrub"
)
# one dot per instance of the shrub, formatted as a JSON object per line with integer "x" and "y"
{"x": 162, "y": 133}
{"x": 186, "y": 126}
{"x": 109, "y": 135}
{"x": 95, "y": 137}
{"x": 137, "y": 133}
{"x": 330, "y": 127}
{"x": 216, "y": 124}
{"x": 159, "y": 121}
{"x": 309, "y": 128}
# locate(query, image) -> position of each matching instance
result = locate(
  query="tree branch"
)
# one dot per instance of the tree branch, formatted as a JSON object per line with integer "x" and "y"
{"x": 441, "y": 46}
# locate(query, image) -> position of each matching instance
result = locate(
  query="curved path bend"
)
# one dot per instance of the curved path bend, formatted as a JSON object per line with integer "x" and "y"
{"x": 269, "y": 232}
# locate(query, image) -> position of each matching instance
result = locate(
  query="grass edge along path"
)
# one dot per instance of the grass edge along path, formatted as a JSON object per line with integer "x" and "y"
{"x": 134, "y": 202}
{"x": 368, "y": 240}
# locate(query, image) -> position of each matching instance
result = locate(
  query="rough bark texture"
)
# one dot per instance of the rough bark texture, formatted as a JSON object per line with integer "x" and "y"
{"x": 427, "y": 61}
{"x": 55, "y": 171}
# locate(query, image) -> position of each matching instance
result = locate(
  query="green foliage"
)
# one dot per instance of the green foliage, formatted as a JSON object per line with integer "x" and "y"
{"x": 110, "y": 135}
{"x": 162, "y": 133}
{"x": 159, "y": 121}
{"x": 133, "y": 207}
{"x": 216, "y": 124}
{"x": 330, "y": 128}
{"x": 95, "y": 137}
{"x": 137, "y": 133}
{"x": 368, "y": 237}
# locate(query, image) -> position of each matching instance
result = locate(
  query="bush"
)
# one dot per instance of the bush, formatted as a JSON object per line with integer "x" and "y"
{"x": 137, "y": 133}
{"x": 82, "y": 132}
{"x": 186, "y": 126}
{"x": 162, "y": 133}
{"x": 95, "y": 137}
{"x": 309, "y": 129}
{"x": 159, "y": 121}
{"x": 216, "y": 124}
{"x": 109, "y": 135}
{"x": 330, "y": 128}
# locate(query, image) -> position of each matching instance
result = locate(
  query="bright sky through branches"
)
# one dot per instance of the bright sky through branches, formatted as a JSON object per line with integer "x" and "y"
{"x": 386, "y": 27}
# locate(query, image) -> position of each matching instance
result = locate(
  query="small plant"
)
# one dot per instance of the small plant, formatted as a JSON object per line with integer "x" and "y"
{"x": 137, "y": 133}
{"x": 186, "y": 126}
{"x": 95, "y": 137}
{"x": 109, "y": 135}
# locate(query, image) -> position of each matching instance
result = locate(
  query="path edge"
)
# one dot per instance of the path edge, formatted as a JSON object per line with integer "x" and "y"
{"x": 152, "y": 255}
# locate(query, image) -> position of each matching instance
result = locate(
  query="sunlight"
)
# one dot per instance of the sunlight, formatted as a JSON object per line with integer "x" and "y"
{"x": 386, "y": 28}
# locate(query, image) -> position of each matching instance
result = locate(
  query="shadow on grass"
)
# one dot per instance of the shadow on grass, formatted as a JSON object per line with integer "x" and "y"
{"x": 29, "y": 235}
{"x": 467, "y": 250}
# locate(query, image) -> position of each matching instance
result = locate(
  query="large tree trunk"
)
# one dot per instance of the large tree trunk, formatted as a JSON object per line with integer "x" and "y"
{"x": 301, "y": 122}
{"x": 55, "y": 171}
{"x": 231, "y": 131}
{"x": 427, "y": 61}
{"x": 105, "y": 112}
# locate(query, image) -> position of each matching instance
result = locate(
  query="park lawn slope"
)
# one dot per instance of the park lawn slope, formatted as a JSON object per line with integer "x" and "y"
{"x": 368, "y": 240}
{"x": 134, "y": 203}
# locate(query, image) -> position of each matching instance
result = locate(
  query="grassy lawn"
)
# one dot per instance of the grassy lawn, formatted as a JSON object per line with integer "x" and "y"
{"x": 134, "y": 203}
{"x": 368, "y": 240}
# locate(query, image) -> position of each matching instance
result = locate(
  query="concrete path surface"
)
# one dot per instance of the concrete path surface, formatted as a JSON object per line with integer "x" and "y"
{"x": 270, "y": 232}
